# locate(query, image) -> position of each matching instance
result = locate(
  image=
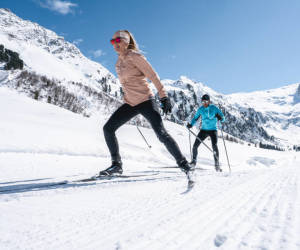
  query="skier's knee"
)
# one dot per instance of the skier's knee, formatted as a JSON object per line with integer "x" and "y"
{"x": 215, "y": 148}
{"x": 196, "y": 146}
{"x": 107, "y": 128}
{"x": 163, "y": 136}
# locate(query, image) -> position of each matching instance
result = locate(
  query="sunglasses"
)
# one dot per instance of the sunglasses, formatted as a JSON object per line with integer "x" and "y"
{"x": 205, "y": 101}
{"x": 116, "y": 40}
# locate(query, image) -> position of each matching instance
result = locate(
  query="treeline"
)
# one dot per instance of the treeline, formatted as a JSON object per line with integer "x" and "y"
{"x": 73, "y": 96}
{"x": 296, "y": 148}
{"x": 11, "y": 59}
{"x": 230, "y": 138}
{"x": 268, "y": 146}
{"x": 51, "y": 91}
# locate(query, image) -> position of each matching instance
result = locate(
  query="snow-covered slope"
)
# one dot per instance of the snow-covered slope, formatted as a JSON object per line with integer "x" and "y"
{"x": 280, "y": 107}
{"x": 283, "y": 100}
{"x": 241, "y": 122}
{"x": 271, "y": 116}
{"x": 55, "y": 71}
{"x": 47, "y": 53}
{"x": 254, "y": 207}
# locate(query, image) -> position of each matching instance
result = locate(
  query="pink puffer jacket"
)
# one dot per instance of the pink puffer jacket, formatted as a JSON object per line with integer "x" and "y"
{"x": 133, "y": 69}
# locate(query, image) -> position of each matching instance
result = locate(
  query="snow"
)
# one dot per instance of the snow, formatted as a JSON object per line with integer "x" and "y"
{"x": 280, "y": 105}
{"x": 183, "y": 82}
{"x": 280, "y": 100}
{"x": 256, "y": 206}
{"x": 3, "y": 76}
{"x": 46, "y": 53}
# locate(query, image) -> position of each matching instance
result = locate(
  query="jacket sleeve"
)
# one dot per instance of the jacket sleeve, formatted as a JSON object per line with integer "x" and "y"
{"x": 196, "y": 117}
{"x": 143, "y": 65}
{"x": 221, "y": 114}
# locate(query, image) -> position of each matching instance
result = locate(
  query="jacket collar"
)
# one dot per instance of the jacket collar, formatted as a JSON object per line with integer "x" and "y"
{"x": 122, "y": 56}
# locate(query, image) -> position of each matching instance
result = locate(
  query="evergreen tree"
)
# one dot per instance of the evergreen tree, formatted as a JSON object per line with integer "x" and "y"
{"x": 11, "y": 59}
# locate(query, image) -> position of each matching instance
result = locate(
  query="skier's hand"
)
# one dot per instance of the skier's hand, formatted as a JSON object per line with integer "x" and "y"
{"x": 218, "y": 117}
{"x": 189, "y": 125}
{"x": 166, "y": 105}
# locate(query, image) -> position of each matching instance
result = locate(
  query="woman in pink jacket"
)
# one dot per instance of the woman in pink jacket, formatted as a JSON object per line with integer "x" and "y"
{"x": 133, "y": 70}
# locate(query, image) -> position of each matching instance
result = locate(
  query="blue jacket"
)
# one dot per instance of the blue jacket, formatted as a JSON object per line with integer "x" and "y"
{"x": 208, "y": 115}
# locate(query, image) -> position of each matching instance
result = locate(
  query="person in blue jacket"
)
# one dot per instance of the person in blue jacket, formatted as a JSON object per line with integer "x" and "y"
{"x": 210, "y": 115}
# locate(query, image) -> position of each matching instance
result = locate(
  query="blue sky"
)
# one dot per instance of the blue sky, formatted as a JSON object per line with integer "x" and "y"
{"x": 230, "y": 45}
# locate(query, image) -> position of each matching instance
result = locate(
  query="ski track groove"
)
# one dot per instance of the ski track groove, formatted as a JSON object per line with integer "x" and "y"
{"x": 169, "y": 218}
{"x": 259, "y": 199}
{"x": 266, "y": 208}
{"x": 250, "y": 214}
{"x": 211, "y": 226}
{"x": 124, "y": 219}
{"x": 282, "y": 216}
{"x": 41, "y": 238}
{"x": 273, "y": 220}
{"x": 231, "y": 209}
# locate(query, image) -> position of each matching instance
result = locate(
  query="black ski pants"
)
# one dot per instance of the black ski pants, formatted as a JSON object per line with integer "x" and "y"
{"x": 203, "y": 134}
{"x": 149, "y": 110}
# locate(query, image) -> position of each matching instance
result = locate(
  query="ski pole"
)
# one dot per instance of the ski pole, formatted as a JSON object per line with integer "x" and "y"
{"x": 225, "y": 148}
{"x": 203, "y": 143}
{"x": 143, "y": 136}
{"x": 190, "y": 144}
{"x": 214, "y": 153}
{"x": 224, "y": 142}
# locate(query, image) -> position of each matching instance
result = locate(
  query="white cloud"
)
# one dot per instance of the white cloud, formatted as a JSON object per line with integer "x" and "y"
{"x": 98, "y": 53}
{"x": 62, "y": 7}
{"x": 77, "y": 41}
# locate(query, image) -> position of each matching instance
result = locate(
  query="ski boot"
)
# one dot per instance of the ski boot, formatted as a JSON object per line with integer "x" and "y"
{"x": 217, "y": 167}
{"x": 114, "y": 169}
{"x": 193, "y": 164}
{"x": 188, "y": 170}
{"x": 185, "y": 167}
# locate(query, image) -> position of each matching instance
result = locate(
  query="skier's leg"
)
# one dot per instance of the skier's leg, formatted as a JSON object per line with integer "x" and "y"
{"x": 202, "y": 136}
{"x": 214, "y": 140}
{"x": 122, "y": 115}
{"x": 149, "y": 110}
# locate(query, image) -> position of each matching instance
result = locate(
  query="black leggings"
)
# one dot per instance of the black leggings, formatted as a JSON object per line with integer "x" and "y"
{"x": 213, "y": 134}
{"x": 150, "y": 111}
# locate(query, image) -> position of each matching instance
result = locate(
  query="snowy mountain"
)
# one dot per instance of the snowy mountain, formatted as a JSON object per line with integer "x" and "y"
{"x": 47, "y": 53}
{"x": 280, "y": 108}
{"x": 39, "y": 63}
{"x": 54, "y": 70}
{"x": 271, "y": 116}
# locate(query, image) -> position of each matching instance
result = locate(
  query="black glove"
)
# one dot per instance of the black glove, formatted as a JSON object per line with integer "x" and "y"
{"x": 189, "y": 125}
{"x": 218, "y": 117}
{"x": 166, "y": 105}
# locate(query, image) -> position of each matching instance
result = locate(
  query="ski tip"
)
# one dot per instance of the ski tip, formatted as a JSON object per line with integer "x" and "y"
{"x": 190, "y": 186}
{"x": 191, "y": 183}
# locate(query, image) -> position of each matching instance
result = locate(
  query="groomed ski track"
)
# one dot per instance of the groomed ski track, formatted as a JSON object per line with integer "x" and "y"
{"x": 256, "y": 209}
